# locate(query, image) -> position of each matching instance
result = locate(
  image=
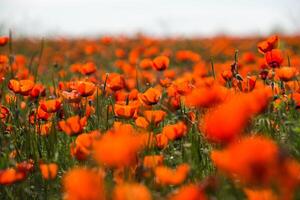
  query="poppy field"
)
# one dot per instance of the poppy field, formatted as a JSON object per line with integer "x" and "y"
{"x": 141, "y": 118}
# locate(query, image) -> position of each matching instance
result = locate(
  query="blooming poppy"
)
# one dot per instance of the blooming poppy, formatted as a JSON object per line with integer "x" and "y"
{"x": 117, "y": 149}
{"x": 150, "y": 97}
{"x": 73, "y": 125}
{"x": 286, "y": 73}
{"x": 150, "y": 162}
{"x": 154, "y": 116}
{"x": 82, "y": 183}
{"x": 274, "y": 58}
{"x": 251, "y": 165}
{"x": 168, "y": 176}
{"x": 131, "y": 191}
{"x": 82, "y": 147}
{"x": 160, "y": 63}
{"x": 37, "y": 90}
{"x": 141, "y": 122}
{"x": 22, "y": 87}
{"x": 10, "y": 175}
{"x": 175, "y": 131}
{"x": 188, "y": 192}
{"x": 88, "y": 68}
{"x": 115, "y": 81}
{"x": 71, "y": 97}
{"x": 4, "y": 113}
{"x": 269, "y": 44}
{"x": 86, "y": 88}
{"x": 50, "y": 106}
{"x": 126, "y": 111}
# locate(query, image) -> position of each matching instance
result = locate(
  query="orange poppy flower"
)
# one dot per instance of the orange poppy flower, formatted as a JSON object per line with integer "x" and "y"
{"x": 10, "y": 175}
{"x": 146, "y": 63}
{"x": 274, "y": 58}
{"x": 117, "y": 149}
{"x": 4, "y": 40}
{"x": 286, "y": 73}
{"x": 126, "y": 111}
{"x": 186, "y": 55}
{"x": 85, "y": 88}
{"x": 141, "y": 122}
{"x": 22, "y": 87}
{"x": 262, "y": 194}
{"x": 152, "y": 161}
{"x": 115, "y": 81}
{"x": 161, "y": 140}
{"x": 205, "y": 97}
{"x": 226, "y": 75}
{"x": 251, "y": 164}
{"x": 4, "y": 113}
{"x": 131, "y": 191}
{"x": 175, "y": 131}
{"x": 168, "y": 176}
{"x": 88, "y": 68}
{"x": 82, "y": 147}
{"x": 41, "y": 114}
{"x": 50, "y": 106}
{"x": 268, "y": 44}
{"x": 227, "y": 121}
{"x": 154, "y": 116}
{"x": 48, "y": 171}
{"x": 37, "y": 90}
{"x": 150, "y": 96}
{"x": 189, "y": 192}
{"x": 160, "y": 63}
{"x": 82, "y": 183}
{"x": 73, "y": 125}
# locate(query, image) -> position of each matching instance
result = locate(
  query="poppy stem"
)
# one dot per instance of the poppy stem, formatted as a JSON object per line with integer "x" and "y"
{"x": 213, "y": 68}
{"x": 40, "y": 58}
{"x": 10, "y": 53}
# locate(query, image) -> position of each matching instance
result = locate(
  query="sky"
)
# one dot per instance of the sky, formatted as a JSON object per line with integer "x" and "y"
{"x": 153, "y": 17}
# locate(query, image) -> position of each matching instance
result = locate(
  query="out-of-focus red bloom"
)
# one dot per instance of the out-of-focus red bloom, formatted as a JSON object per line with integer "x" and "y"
{"x": 167, "y": 176}
{"x": 82, "y": 183}
{"x": 160, "y": 63}
{"x": 10, "y": 175}
{"x": 25, "y": 166}
{"x": 152, "y": 161}
{"x": 189, "y": 192}
{"x": 286, "y": 73}
{"x": 269, "y": 44}
{"x": 227, "y": 121}
{"x": 117, "y": 148}
{"x": 274, "y": 58}
{"x": 73, "y": 125}
{"x": 131, "y": 191}
{"x": 251, "y": 165}
{"x": 88, "y": 68}
{"x": 4, "y": 40}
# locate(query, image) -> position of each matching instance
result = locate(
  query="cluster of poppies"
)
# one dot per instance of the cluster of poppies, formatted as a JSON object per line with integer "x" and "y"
{"x": 113, "y": 116}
